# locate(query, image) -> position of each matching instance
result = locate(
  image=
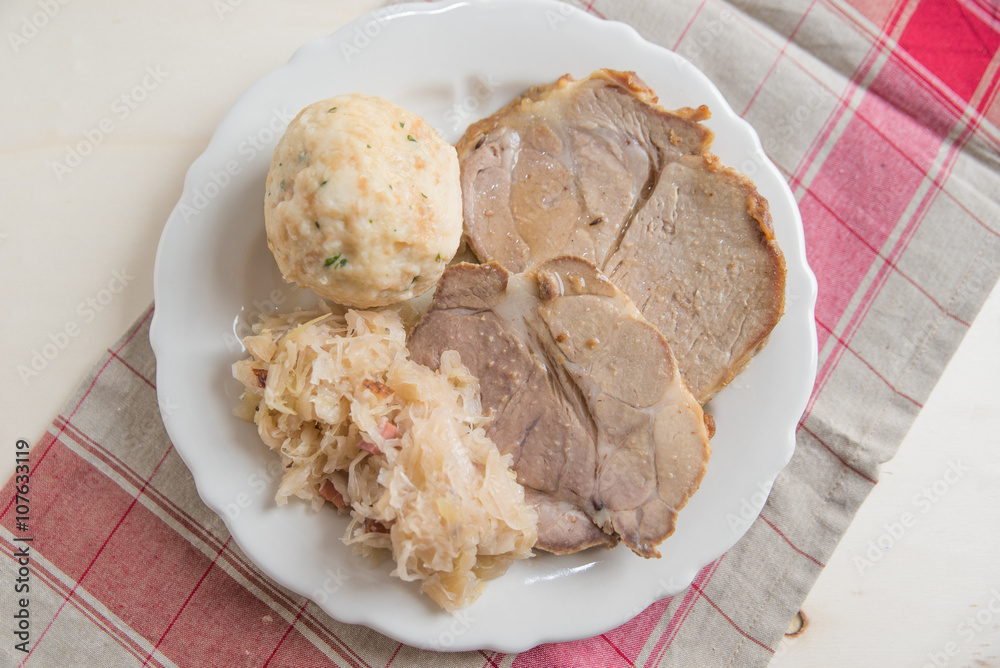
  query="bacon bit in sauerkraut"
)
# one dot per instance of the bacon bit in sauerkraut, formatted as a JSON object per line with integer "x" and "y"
{"x": 330, "y": 493}
{"x": 377, "y": 388}
{"x": 359, "y": 424}
{"x": 370, "y": 447}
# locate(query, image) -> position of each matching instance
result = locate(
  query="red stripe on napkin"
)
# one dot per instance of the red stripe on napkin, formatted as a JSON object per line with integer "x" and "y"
{"x": 952, "y": 42}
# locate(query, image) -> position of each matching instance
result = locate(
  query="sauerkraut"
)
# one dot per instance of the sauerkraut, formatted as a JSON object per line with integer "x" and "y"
{"x": 400, "y": 447}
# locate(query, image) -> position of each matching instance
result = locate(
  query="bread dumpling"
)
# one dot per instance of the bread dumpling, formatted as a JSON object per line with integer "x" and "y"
{"x": 363, "y": 203}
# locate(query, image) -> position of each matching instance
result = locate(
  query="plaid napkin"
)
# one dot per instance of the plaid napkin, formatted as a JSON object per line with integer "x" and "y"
{"x": 882, "y": 116}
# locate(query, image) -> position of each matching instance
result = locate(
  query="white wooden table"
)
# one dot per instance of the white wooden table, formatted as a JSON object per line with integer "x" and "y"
{"x": 105, "y": 108}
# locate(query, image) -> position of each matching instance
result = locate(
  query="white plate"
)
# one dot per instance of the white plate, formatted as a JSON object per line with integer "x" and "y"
{"x": 450, "y": 63}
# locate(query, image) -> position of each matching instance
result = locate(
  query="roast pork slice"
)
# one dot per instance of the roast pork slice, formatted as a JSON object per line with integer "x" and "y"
{"x": 595, "y": 168}
{"x": 584, "y": 393}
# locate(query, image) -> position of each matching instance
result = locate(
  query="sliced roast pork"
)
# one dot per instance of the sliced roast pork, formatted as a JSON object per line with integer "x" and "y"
{"x": 595, "y": 168}
{"x": 585, "y": 394}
